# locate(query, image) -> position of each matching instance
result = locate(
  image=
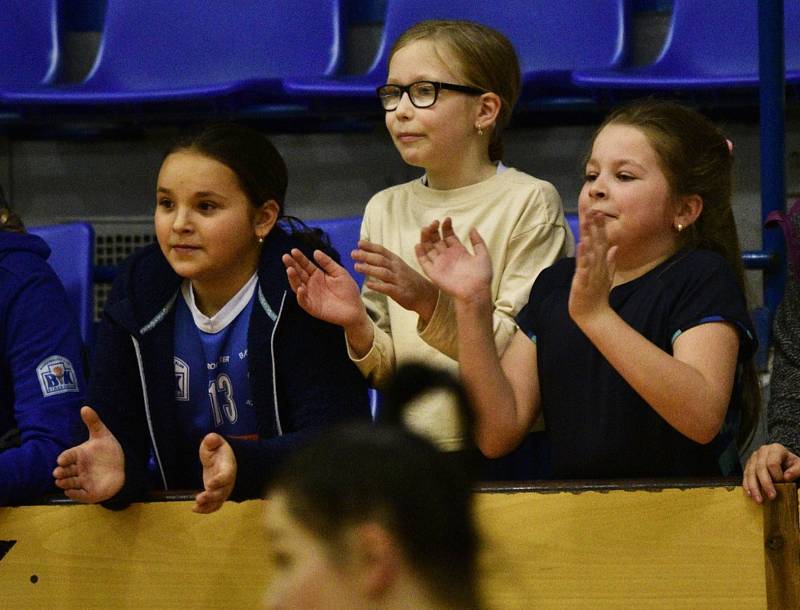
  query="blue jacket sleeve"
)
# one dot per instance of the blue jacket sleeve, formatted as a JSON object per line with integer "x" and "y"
{"x": 42, "y": 360}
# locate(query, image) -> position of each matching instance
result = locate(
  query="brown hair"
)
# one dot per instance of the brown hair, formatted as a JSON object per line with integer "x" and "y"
{"x": 697, "y": 159}
{"x": 486, "y": 59}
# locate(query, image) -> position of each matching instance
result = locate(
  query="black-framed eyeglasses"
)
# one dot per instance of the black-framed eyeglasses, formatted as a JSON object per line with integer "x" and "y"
{"x": 422, "y": 94}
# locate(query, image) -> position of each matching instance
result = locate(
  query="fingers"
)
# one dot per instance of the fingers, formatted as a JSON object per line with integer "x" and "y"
{"x": 430, "y": 234}
{"x": 66, "y": 471}
{"x": 328, "y": 265}
{"x": 299, "y": 263}
{"x": 792, "y": 471}
{"x": 475, "y": 239}
{"x": 69, "y": 483}
{"x": 371, "y": 247}
{"x": 79, "y": 495}
{"x": 447, "y": 228}
{"x": 765, "y": 466}
{"x": 206, "y": 503}
{"x": 67, "y": 458}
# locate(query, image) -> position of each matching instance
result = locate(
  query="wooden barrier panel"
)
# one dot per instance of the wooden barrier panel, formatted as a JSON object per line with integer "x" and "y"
{"x": 671, "y": 548}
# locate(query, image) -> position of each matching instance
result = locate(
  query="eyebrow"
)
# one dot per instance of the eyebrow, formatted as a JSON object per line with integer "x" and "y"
{"x": 199, "y": 194}
{"x": 618, "y": 162}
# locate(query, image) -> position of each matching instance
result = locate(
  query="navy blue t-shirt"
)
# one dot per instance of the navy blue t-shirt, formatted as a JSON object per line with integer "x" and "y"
{"x": 598, "y": 425}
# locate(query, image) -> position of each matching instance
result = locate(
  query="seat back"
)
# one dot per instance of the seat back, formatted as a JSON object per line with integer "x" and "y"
{"x": 551, "y": 38}
{"x": 28, "y": 42}
{"x": 718, "y": 39}
{"x": 344, "y": 234}
{"x": 72, "y": 258}
{"x": 155, "y": 46}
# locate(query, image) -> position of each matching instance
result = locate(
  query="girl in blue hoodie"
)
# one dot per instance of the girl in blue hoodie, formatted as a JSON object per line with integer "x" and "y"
{"x": 206, "y": 371}
{"x": 41, "y": 371}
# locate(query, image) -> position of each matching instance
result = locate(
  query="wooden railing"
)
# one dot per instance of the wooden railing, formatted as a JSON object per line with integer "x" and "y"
{"x": 686, "y": 544}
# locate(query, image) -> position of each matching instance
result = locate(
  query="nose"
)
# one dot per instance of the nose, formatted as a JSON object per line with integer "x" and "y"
{"x": 597, "y": 190}
{"x": 181, "y": 221}
{"x": 404, "y": 106}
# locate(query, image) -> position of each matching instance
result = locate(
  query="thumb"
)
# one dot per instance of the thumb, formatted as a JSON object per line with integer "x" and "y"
{"x": 93, "y": 422}
{"x": 210, "y": 443}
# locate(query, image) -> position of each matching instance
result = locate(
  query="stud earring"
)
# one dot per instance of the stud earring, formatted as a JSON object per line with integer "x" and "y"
{"x": 679, "y": 227}
{"x": 261, "y": 240}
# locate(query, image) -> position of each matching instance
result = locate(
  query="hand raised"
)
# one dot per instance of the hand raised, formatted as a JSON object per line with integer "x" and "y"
{"x": 389, "y": 274}
{"x": 93, "y": 471}
{"x": 325, "y": 289}
{"x": 594, "y": 269}
{"x": 450, "y": 266}
{"x": 219, "y": 473}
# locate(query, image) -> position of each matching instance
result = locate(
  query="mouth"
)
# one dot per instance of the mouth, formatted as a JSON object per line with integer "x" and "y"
{"x": 606, "y": 215}
{"x": 408, "y": 138}
{"x": 184, "y": 248}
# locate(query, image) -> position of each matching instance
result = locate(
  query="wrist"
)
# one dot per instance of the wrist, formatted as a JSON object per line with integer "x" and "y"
{"x": 477, "y": 302}
{"x": 359, "y": 335}
{"x": 591, "y": 323}
{"x": 427, "y": 305}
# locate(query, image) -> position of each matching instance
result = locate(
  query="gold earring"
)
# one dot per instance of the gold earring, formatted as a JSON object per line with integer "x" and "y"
{"x": 479, "y": 128}
{"x": 679, "y": 227}
{"x": 261, "y": 240}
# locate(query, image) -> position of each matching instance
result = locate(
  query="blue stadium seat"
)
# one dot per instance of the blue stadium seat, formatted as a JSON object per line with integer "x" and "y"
{"x": 28, "y": 42}
{"x": 183, "y": 51}
{"x": 551, "y": 38}
{"x": 344, "y": 234}
{"x": 72, "y": 258}
{"x": 712, "y": 44}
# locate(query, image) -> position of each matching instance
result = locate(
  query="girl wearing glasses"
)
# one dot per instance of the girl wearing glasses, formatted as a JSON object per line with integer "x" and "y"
{"x": 451, "y": 89}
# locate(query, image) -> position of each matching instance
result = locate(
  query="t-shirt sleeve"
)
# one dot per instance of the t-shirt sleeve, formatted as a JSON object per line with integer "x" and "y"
{"x": 528, "y": 317}
{"x": 712, "y": 294}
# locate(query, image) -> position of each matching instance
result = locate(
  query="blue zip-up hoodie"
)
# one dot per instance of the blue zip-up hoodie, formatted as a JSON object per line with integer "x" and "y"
{"x": 301, "y": 379}
{"x": 41, "y": 368}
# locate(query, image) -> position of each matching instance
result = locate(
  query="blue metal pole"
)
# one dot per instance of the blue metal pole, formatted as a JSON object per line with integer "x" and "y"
{"x": 773, "y": 180}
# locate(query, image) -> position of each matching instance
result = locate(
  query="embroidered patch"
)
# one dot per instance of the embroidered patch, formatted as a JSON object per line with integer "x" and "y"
{"x": 181, "y": 379}
{"x": 56, "y": 376}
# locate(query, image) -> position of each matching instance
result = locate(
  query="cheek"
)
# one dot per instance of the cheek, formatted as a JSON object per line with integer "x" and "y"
{"x": 162, "y": 230}
{"x": 304, "y": 587}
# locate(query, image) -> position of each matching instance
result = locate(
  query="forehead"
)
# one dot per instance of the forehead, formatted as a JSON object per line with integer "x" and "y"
{"x": 423, "y": 60}
{"x": 618, "y": 141}
{"x": 195, "y": 170}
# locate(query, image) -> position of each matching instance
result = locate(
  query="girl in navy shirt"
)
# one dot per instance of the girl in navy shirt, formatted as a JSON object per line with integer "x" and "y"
{"x": 636, "y": 350}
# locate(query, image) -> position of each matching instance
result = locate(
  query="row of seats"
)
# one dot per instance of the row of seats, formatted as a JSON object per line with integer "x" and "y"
{"x": 289, "y": 55}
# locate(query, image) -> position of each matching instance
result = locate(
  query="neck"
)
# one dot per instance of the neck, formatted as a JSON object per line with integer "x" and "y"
{"x": 460, "y": 173}
{"x": 628, "y": 271}
{"x": 212, "y": 295}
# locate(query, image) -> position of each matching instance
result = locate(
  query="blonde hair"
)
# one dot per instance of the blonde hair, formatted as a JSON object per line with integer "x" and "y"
{"x": 486, "y": 59}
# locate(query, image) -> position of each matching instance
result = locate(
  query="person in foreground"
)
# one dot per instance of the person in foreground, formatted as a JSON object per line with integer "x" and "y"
{"x": 373, "y": 517}
{"x": 206, "y": 371}
{"x": 41, "y": 365}
{"x": 636, "y": 350}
